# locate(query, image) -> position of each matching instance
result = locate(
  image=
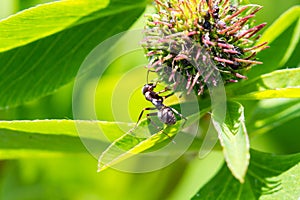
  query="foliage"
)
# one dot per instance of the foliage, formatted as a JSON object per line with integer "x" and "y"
{"x": 41, "y": 50}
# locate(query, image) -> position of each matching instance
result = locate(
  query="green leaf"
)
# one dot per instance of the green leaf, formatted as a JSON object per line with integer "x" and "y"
{"x": 281, "y": 24}
{"x": 270, "y": 114}
{"x": 43, "y": 47}
{"x": 293, "y": 43}
{"x": 282, "y": 36}
{"x": 269, "y": 177}
{"x": 140, "y": 140}
{"x": 274, "y": 93}
{"x": 234, "y": 139}
{"x": 51, "y": 137}
{"x": 278, "y": 84}
{"x": 44, "y": 20}
{"x": 29, "y": 3}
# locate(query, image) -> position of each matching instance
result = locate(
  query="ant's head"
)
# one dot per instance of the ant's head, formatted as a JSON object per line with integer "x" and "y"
{"x": 148, "y": 87}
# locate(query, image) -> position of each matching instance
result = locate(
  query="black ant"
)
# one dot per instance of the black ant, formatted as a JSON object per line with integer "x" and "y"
{"x": 165, "y": 113}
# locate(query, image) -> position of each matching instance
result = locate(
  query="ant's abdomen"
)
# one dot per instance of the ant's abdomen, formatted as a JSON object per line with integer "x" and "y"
{"x": 166, "y": 116}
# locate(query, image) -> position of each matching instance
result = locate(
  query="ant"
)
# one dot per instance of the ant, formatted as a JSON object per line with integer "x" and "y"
{"x": 165, "y": 113}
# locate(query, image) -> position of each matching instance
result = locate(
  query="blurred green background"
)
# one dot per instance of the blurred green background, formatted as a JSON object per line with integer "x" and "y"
{"x": 118, "y": 99}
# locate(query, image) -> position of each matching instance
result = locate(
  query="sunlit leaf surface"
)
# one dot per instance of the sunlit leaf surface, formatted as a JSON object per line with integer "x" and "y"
{"x": 234, "y": 139}
{"x": 51, "y": 137}
{"x": 137, "y": 141}
{"x": 278, "y": 84}
{"x": 44, "y": 46}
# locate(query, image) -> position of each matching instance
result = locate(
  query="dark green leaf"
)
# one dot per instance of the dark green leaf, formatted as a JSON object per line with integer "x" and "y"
{"x": 282, "y": 37}
{"x": 269, "y": 177}
{"x": 293, "y": 43}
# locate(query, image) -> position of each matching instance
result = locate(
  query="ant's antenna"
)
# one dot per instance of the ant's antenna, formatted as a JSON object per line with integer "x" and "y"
{"x": 147, "y": 76}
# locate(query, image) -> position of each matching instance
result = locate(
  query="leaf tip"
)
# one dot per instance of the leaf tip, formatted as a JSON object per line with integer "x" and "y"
{"x": 241, "y": 179}
{"x": 240, "y": 176}
{"x": 101, "y": 167}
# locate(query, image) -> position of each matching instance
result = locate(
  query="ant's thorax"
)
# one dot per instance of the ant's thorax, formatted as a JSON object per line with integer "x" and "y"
{"x": 155, "y": 99}
{"x": 158, "y": 103}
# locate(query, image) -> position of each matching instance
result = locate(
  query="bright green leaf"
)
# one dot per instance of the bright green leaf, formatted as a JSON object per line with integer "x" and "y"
{"x": 48, "y": 44}
{"x": 281, "y": 24}
{"x": 44, "y": 20}
{"x": 278, "y": 84}
{"x": 234, "y": 139}
{"x": 48, "y": 137}
{"x": 269, "y": 177}
{"x": 139, "y": 140}
{"x": 269, "y": 114}
{"x": 67, "y": 127}
{"x": 25, "y": 138}
{"x": 269, "y": 94}
{"x": 127, "y": 146}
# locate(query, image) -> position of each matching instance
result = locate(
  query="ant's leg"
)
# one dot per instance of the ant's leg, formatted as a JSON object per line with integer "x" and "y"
{"x": 180, "y": 115}
{"x": 164, "y": 90}
{"x": 141, "y": 114}
{"x": 164, "y": 97}
{"x": 157, "y": 127}
{"x": 152, "y": 122}
{"x": 149, "y": 70}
